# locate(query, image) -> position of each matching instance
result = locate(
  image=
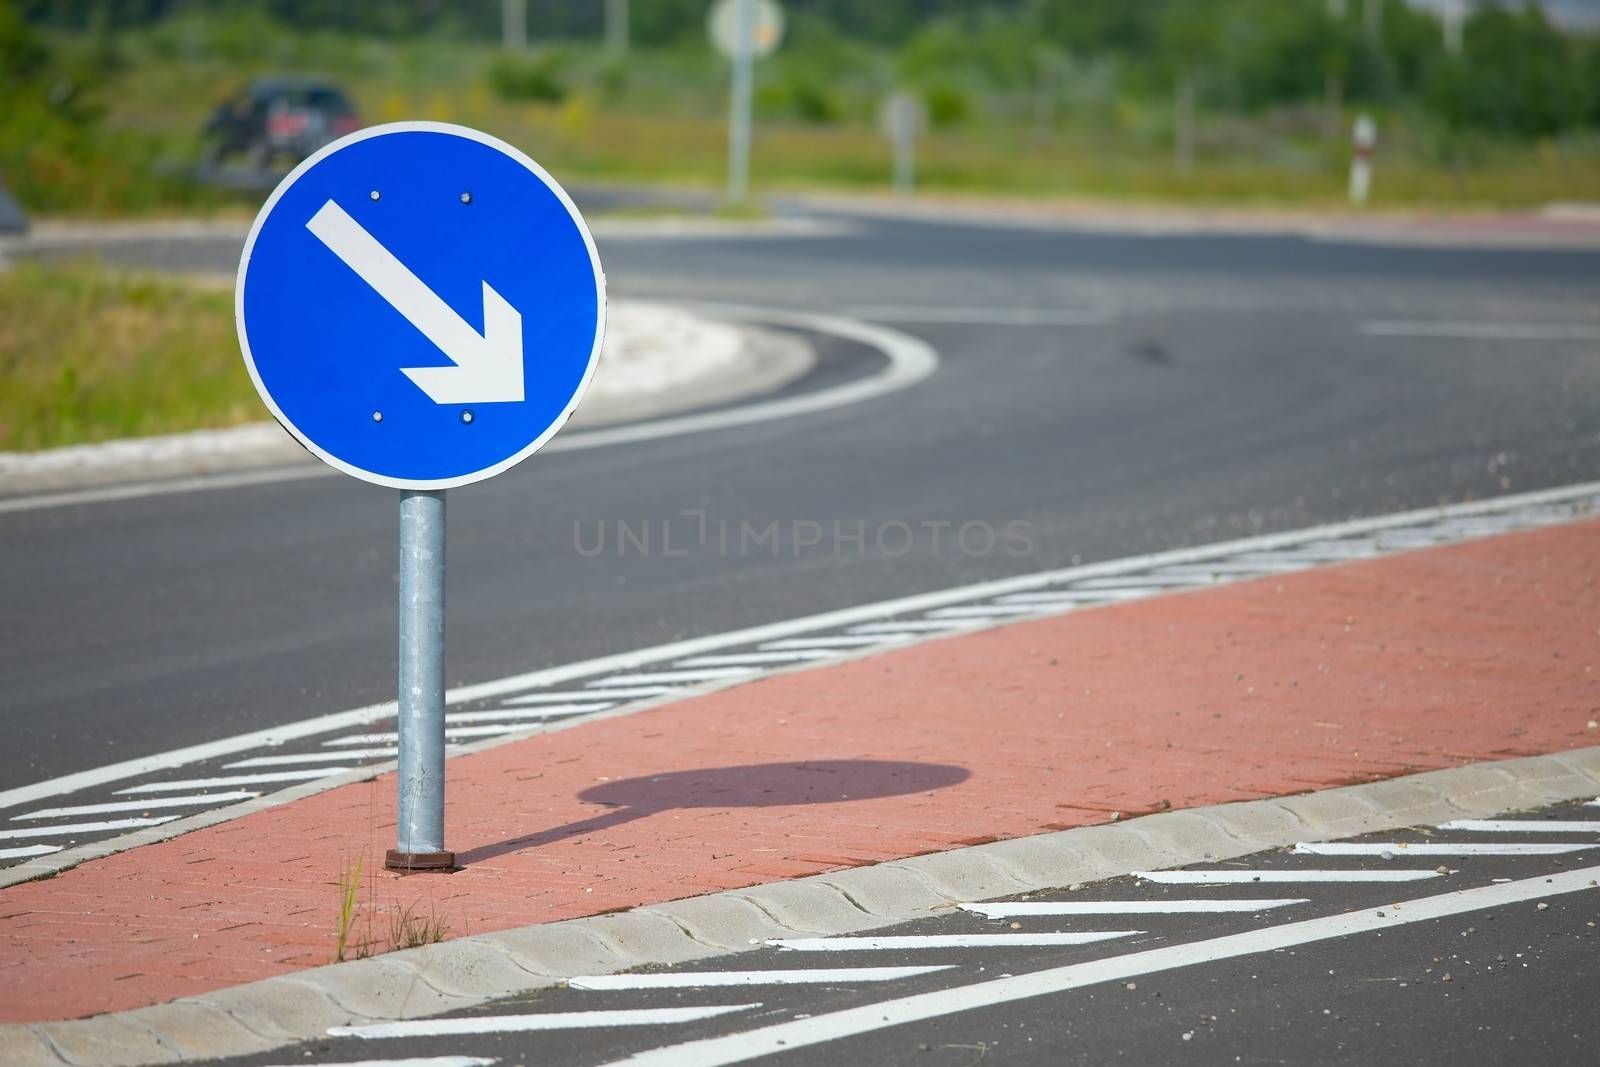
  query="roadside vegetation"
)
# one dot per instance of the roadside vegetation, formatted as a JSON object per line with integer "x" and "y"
{"x": 1241, "y": 102}
{"x": 353, "y": 933}
{"x": 89, "y": 354}
{"x": 1210, "y": 100}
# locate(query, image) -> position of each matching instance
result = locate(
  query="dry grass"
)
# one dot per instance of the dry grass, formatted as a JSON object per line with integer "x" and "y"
{"x": 347, "y": 919}
{"x": 670, "y": 127}
{"x": 408, "y": 928}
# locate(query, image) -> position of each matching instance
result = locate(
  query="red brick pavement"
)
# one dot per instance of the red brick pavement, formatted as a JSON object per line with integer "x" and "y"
{"x": 1280, "y": 685}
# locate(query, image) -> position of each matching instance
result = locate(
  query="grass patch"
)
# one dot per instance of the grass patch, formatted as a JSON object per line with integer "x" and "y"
{"x": 662, "y": 118}
{"x": 345, "y": 940}
{"x": 409, "y": 928}
{"x": 89, "y": 354}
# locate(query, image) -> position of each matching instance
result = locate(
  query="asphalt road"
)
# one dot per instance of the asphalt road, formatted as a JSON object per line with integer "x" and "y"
{"x": 1206, "y": 388}
{"x": 1292, "y": 968}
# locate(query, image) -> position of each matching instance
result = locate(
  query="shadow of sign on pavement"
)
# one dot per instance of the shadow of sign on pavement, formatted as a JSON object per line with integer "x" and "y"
{"x": 753, "y": 785}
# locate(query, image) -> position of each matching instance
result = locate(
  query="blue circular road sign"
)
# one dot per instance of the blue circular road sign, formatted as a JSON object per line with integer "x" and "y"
{"x": 420, "y": 304}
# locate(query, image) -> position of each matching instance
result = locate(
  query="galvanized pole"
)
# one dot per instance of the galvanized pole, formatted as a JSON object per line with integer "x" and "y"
{"x": 739, "y": 114}
{"x": 419, "y": 826}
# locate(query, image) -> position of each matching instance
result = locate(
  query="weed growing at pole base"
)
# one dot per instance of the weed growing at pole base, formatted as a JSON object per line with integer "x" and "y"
{"x": 409, "y": 929}
{"x": 349, "y": 888}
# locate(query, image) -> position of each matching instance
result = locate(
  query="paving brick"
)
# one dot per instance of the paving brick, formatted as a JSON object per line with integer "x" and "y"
{"x": 1414, "y": 662}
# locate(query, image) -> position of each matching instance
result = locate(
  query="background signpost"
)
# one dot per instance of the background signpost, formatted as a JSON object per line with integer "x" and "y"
{"x": 744, "y": 31}
{"x": 902, "y": 121}
{"x": 385, "y": 298}
{"x": 1363, "y": 137}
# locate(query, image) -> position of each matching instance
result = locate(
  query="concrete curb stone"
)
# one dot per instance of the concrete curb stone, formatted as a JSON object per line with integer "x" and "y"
{"x": 193, "y": 1028}
{"x": 456, "y": 974}
{"x": 721, "y": 922}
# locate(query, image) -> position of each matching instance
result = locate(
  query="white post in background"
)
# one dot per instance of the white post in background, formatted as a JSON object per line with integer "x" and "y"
{"x": 1183, "y": 122}
{"x": 514, "y": 25}
{"x": 739, "y": 109}
{"x": 902, "y": 122}
{"x": 616, "y": 28}
{"x": 1372, "y": 21}
{"x": 1364, "y": 138}
{"x": 1452, "y": 15}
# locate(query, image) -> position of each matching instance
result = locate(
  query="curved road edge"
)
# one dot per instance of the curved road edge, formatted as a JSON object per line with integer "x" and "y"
{"x": 910, "y": 360}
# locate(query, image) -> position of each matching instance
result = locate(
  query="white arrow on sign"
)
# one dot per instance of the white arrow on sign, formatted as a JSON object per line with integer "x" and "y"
{"x": 488, "y": 366}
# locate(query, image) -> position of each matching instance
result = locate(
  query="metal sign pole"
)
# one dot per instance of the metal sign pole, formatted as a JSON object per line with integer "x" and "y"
{"x": 419, "y": 827}
{"x": 333, "y": 273}
{"x": 739, "y": 117}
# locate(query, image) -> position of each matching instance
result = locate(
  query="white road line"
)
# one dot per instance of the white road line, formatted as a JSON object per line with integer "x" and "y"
{"x": 515, "y": 1024}
{"x": 313, "y": 757}
{"x": 136, "y": 490}
{"x": 910, "y": 627}
{"x": 714, "y": 979}
{"x": 1460, "y": 848}
{"x": 386, "y": 738}
{"x": 552, "y": 711}
{"x": 1227, "y": 567}
{"x": 1517, "y": 512}
{"x": 414, "y": 1061}
{"x": 898, "y": 942}
{"x": 1099, "y": 596}
{"x": 1414, "y": 539}
{"x": 149, "y": 804}
{"x": 1134, "y": 581}
{"x": 453, "y": 733}
{"x": 576, "y": 696}
{"x": 69, "y": 829}
{"x": 1519, "y": 826}
{"x": 707, "y": 674}
{"x": 838, "y": 641}
{"x": 910, "y": 361}
{"x": 987, "y": 611}
{"x": 1319, "y": 552}
{"x": 237, "y": 779}
{"x": 799, "y": 1033}
{"x": 745, "y": 659}
{"x": 979, "y": 316}
{"x": 28, "y": 850}
{"x": 1024, "y": 908}
{"x": 1247, "y": 877}
{"x": 1493, "y": 331}
{"x": 390, "y": 737}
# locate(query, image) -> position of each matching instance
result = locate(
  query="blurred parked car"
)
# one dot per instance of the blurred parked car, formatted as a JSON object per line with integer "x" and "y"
{"x": 275, "y": 119}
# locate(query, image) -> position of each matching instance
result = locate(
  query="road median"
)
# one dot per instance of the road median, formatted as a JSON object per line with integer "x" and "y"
{"x": 658, "y": 360}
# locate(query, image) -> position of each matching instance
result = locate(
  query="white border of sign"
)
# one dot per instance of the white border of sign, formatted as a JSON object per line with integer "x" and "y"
{"x": 472, "y": 135}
